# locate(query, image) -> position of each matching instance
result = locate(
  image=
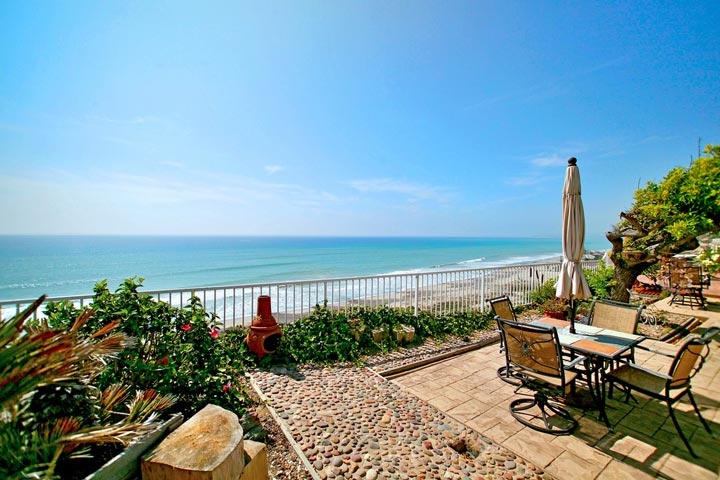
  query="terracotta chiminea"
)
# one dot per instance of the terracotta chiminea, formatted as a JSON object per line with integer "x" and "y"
{"x": 264, "y": 335}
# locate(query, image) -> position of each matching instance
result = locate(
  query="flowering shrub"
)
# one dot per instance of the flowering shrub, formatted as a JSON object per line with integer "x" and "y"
{"x": 178, "y": 351}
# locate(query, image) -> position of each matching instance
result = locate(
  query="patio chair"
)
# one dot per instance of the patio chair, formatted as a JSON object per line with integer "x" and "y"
{"x": 535, "y": 355}
{"x": 670, "y": 387}
{"x": 502, "y": 308}
{"x": 618, "y": 316}
{"x": 686, "y": 286}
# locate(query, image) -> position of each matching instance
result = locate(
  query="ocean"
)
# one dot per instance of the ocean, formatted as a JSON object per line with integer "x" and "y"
{"x": 72, "y": 265}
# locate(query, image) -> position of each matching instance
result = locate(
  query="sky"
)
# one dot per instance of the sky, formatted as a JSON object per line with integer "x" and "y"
{"x": 362, "y": 118}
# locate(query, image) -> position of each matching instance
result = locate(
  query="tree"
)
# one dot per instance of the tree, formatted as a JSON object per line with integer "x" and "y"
{"x": 666, "y": 219}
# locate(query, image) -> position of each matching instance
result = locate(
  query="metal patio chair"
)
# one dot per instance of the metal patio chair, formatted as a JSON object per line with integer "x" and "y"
{"x": 535, "y": 355}
{"x": 670, "y": 387}
{"x": 618, "y": 316}
{"x": 686, "y": 286}
{"x": 502, "y": 308}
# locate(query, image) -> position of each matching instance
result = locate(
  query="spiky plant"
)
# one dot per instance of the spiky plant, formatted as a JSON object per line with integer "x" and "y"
{"x": 50, "y": 411}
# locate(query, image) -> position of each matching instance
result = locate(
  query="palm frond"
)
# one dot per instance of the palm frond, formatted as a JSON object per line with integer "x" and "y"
{"x": 123, "y": 433}
{"x": 11, "y": 330}
{"x": 146, "y": 403}
{"x": 107, "y": 328}
{"x": 110, "y": 398}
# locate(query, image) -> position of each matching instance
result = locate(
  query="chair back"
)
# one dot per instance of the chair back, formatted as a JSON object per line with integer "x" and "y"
{"x": 618, "y": 316}
{"x": 694, "y": 276}
{"x": 686, "y": 276}
{"x": 689, "y": 360}
{"x": 502, "y": 307}
{"x": 534, "y": 348}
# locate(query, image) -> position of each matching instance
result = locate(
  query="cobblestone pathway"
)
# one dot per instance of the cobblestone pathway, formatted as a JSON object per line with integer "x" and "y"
{"x": 350, "y": 423}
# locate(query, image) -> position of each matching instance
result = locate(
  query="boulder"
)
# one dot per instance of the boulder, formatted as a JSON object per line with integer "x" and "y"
{"x": 256, "y": 462}
{"x": 209, "y": 446}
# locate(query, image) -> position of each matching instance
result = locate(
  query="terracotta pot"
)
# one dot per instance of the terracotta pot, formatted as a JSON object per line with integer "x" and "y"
{"x": 556, "y": 315}
{"x": 378, "y": 334}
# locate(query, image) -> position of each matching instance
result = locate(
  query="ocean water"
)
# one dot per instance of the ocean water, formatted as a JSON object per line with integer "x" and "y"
{"x": 72, "y": 265}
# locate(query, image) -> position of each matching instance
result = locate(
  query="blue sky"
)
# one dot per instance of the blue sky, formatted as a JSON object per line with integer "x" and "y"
{"x": 345, "y": 118}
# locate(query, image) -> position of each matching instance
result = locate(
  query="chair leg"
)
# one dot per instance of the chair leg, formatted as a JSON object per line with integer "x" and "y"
{"x": 507, "y": 375}
{"x": 679, "y": 430}
{"x": 697, "y": 410}
{"x": 541, "y": 401}
{"x": 625, "y": 389}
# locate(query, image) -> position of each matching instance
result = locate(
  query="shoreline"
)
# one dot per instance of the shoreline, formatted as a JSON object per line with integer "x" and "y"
{"x": 438, "y": 291}
{"x": 71, "y": 266}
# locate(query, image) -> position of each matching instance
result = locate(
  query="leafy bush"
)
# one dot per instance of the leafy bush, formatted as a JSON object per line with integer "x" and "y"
{"x": 601, "y": 281}
{"x": 329, "y": 336}
{"x": 543, "y": 293}
{"x": 178, "y": 350}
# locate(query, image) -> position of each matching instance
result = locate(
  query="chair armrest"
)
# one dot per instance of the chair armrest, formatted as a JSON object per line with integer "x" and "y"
{"x": 574, "y": 362}
{"x": 664, "y": 354}
{"x": 651, "y": 372}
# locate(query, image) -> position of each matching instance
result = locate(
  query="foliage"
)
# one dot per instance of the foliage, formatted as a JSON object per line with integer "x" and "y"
{"x": 543, "y": 293}
{"x": 51, "y": 410}
{"x": 554, "y": 305}
{"x": 178, "y": 352}
{"x": 330, "y": 336}
{"x": 666, "y": 218}
{"x": 600, "y": 281}
{"x": 710, "y": 259}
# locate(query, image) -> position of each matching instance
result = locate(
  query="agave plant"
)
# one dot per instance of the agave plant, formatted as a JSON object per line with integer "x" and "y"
{"x": 50, "y": 411}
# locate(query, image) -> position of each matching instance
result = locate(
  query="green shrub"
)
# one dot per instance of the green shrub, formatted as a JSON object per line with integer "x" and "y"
{"x": 543, "y": 293}
{"x": 601, "y": 281}
{"x": 178, "y": 350}
{"x": 328, "y": 336}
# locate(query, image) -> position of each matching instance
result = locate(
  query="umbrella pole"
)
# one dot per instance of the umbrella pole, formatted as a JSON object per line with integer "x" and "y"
{"x": 572, "y": 315}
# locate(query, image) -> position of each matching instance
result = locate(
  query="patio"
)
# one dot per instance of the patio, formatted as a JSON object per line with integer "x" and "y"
{"x": 450, "y": 419}
{"x": 644, "y": 443}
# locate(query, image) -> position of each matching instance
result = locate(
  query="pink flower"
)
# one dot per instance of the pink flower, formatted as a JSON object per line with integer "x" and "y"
{"x": 226, "y": 387}
{"x": 186, "y": 327}
{"x": 214, "y": 333}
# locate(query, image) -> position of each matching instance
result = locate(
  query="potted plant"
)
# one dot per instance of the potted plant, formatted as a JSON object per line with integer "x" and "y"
{"x": 357, "y": 327}
{"x": 554, "y": 308}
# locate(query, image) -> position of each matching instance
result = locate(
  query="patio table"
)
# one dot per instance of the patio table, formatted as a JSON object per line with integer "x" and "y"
{"x": 599, "y": 346}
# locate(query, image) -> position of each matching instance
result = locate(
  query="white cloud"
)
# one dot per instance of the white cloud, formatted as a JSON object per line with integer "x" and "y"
{"x": 137, "y": 120}
{"x": 414, "y": 192}
{"x": 170, "y": 163}
{"x": 544, "y": 160}
{"x": 525, "y": 181}
{"x": 271, "y": 169}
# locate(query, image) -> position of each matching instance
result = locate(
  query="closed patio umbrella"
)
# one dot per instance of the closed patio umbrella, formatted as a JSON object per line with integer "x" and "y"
{"x": 572, "y": 284}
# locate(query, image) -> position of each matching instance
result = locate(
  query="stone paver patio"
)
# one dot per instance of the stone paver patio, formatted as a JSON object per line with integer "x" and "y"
{"x": 644, "y": 443}
{"x": 346, "y": 421}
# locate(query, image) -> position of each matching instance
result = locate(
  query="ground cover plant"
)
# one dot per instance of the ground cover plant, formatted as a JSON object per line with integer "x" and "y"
{"x": 347, "y": 335}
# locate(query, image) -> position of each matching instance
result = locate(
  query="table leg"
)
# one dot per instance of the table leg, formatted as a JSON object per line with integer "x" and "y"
{"x": 596, "y": 385}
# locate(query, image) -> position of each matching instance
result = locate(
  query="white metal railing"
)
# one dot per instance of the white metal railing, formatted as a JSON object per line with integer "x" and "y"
{"x": 438, "y": 292}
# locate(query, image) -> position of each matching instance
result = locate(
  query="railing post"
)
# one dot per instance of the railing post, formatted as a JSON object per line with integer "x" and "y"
{"x": 482, "y": 290}
{"x": 417, "y": 289}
